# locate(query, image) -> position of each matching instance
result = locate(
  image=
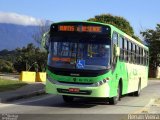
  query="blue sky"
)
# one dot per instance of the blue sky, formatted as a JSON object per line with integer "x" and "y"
{"x": 142, "y": 14}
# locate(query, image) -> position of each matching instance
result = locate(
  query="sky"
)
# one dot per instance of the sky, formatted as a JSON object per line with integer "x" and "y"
{"x": 142, "y": 14}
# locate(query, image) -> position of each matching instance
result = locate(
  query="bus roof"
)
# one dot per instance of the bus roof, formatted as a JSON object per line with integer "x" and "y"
{"x": 113, "y": 28}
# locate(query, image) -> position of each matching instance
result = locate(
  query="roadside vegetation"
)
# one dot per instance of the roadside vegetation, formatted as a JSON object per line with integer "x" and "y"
{"x": 28, "y": 58}
{"x": 152, "y": 38}
{"x": 6, "y": 85}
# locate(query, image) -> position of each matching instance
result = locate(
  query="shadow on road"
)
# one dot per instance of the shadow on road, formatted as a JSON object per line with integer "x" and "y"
{"x": 57, "y": 101}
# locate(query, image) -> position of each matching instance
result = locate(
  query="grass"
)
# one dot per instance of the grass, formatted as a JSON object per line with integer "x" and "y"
{"x": 6, "y": 85}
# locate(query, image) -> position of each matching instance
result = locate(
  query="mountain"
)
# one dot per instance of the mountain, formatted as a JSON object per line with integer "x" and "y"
{"x": 18, "y": 30}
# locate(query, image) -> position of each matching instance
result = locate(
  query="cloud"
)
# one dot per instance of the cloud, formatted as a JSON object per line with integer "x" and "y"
{"x": 15, "y": 18}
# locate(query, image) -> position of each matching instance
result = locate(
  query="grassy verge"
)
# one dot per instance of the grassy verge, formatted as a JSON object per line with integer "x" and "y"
{"x": 6, "y": 85}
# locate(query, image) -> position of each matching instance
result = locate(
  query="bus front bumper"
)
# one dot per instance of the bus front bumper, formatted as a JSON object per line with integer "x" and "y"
{"x": 84, "y": 91}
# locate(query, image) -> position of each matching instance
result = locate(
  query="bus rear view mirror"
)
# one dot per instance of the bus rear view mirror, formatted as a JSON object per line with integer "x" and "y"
{"x": 116, "y": 50}
{"x": 45, "y": 41}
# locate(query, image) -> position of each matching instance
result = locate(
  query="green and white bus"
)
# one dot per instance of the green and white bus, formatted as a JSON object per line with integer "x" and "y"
{"x": 92, "y": 59}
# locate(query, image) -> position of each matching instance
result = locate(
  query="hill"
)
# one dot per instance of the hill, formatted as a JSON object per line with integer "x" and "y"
{"x": 18, "y": 30}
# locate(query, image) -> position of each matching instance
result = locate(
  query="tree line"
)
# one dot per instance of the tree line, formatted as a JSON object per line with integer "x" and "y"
{"x": 152, "y": 38}
{"x": 29, "y": 58}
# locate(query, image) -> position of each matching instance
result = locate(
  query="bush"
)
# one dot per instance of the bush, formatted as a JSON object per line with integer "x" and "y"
{"x": 6, "y": 66}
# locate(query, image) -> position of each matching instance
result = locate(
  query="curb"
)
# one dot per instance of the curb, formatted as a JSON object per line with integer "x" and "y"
{"x": 10, "y": 99}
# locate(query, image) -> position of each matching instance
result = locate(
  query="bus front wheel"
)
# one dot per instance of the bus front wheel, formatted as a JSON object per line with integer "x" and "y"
{"x": 114, "y": 100}
{"x": 68, "y": 99}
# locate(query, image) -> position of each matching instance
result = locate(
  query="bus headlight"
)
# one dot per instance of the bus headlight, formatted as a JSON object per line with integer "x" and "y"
{"x": 99, "y": 83}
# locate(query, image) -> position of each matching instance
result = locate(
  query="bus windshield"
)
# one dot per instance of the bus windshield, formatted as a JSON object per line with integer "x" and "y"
{"x": 79, "y": 52}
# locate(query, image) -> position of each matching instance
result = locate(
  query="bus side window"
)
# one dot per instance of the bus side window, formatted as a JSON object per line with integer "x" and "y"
{"x": 115, "y": 38}
{"x": 129, "y": 51}
{"x": 115, "y": 43}
{"x": 125, "y": 50}
{"x": 121, "y": 41}
{"x": 147, "y": 58}
{"x": 135, "y": 55}
{"x": 142, "y": 56}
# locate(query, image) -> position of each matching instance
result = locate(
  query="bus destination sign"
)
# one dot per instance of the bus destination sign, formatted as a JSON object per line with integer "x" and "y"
{"x": 71, "y": 28}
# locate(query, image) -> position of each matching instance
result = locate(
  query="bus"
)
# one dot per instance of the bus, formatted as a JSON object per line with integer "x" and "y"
{"x": 93, "y": 59}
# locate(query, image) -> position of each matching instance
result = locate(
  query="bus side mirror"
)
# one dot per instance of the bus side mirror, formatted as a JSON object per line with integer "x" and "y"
{"x": 45, "y": 41}
{"x": 116, "y": 50}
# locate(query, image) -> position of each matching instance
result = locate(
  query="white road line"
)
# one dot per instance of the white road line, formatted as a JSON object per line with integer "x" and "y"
{"x": 27, "y": 101}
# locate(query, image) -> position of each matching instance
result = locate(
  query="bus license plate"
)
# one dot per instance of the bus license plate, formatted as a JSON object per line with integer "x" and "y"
{"x": 73, "y": 90}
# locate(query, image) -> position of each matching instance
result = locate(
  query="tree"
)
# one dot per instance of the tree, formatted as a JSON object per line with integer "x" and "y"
{"x": 43, "y": 27}
{"x": 117, "y": 21}
{"x": 152, "y": 38}
{"x": 30, "y": 58}
{"x": 6, "y": 66}
{"x": 7, "y": 55}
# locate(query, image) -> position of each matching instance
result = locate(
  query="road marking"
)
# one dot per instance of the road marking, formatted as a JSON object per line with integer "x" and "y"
{"x": 26, "y": 101}
{"x": 37, "y": 99}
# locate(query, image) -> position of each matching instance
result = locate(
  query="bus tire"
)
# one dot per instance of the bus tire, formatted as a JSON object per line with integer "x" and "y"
{"x": 114, "y": 100}
{"x": 68, "y": 99}
{"x": 138, "y": 92}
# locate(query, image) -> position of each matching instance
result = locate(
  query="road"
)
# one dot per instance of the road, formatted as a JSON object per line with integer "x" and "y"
{"x": 51, "y": 104}
{"x": 9, "y": 76}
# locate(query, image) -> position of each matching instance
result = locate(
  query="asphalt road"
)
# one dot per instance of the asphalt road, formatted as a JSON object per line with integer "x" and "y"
{"x": 51, "y": 104}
